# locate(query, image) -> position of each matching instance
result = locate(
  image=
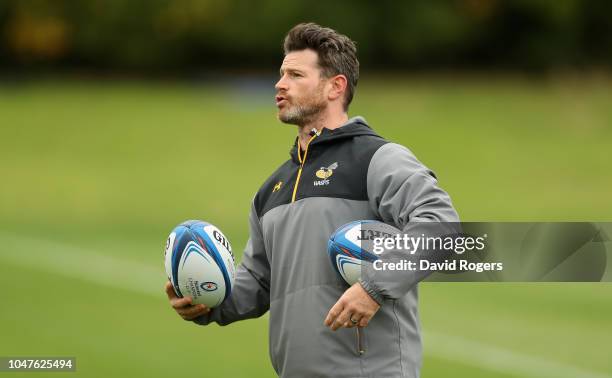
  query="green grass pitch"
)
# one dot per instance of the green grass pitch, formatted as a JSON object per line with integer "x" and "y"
{"x": 94, "y": 175}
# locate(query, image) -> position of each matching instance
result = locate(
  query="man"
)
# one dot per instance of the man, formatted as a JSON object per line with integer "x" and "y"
{"x": 340, "y": 170}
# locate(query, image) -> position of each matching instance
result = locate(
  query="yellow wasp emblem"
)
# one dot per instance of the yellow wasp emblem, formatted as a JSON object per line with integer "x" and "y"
{"x": 324, "y": 173}
{"x": 277, "y": 186}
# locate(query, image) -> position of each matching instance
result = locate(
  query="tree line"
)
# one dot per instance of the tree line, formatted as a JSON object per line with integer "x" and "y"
{"x": 186, "y": 35}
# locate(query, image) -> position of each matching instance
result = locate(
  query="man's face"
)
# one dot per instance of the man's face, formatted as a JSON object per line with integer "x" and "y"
{"x": 300, "y": 91}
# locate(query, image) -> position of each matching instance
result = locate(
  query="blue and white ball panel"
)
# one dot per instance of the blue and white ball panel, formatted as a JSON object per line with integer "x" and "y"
{"x": 349, "y": 268}
{"x": 224, "y": 250}
{"x": 174, "y": 250}
{"x": 200, "y": 277}
{"x": 168, "y": 256}
{"x": 220, "y": 250}
{"x": 350, "y": 237}
{"x": 352, "y": 245}
{"x": 199, "y": 263}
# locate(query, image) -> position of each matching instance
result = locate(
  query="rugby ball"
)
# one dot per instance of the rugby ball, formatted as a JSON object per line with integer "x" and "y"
{"x": 199, "y": 263}
{"x": 351, "y": 246}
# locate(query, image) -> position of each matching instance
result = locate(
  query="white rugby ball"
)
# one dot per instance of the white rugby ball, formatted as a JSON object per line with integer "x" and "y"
{"x": 351, "y": 246}
{"x": 199, "y": 263}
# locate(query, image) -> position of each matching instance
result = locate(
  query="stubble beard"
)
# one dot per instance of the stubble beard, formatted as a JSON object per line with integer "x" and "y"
{"x": 305, "y": 112}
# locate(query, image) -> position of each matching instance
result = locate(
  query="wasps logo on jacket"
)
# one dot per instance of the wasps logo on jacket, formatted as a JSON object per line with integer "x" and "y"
{"x": 324, "y": 174}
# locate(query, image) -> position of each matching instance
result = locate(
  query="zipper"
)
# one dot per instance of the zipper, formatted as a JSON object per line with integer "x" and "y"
{"x": 360, "y": 348}
{"x": 302, "y": 161}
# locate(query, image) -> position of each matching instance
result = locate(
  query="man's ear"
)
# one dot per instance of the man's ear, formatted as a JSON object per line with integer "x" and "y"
{"x": 338, "y": 85}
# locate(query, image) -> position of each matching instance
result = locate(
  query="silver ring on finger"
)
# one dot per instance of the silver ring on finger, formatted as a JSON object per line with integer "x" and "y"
{"x": 354, "y": 321}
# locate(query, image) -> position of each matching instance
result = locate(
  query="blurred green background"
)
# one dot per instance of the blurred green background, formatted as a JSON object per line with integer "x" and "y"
{"x": 115, "y": 125}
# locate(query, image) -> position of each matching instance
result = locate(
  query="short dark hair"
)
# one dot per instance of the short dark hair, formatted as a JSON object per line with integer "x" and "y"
{"x": 337, "y": 53}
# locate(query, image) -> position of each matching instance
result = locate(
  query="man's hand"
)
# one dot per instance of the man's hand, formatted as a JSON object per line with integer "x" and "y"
{"x": 354, "y": 308}
{"x": 183, "y": 306}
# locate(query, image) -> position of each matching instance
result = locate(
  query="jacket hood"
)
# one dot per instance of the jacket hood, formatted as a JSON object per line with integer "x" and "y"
{"x": 353, "y": 127}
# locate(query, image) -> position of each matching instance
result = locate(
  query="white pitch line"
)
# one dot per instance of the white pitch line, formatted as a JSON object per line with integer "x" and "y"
{"x": 493, "y": 358}
{"x": 123, "y": 274}
{"x": 74, "y": 262}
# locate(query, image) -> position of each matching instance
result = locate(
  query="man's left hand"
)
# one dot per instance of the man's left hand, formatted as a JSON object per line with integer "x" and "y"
{"x": 354, "y": 308}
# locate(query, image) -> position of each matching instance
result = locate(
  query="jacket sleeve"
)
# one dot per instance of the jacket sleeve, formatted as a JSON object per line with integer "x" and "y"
{"x": 250, "y": 296}
{"x": 404, "y": 193}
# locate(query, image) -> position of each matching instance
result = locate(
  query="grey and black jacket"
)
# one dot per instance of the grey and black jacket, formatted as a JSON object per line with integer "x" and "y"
{"x": 345, "y": 174}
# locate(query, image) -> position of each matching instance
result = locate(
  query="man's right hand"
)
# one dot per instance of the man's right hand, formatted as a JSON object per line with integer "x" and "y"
{"x": 183, "y": 306}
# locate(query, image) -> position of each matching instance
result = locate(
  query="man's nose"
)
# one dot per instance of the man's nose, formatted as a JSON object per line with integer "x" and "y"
{"x": 281, "y": 84}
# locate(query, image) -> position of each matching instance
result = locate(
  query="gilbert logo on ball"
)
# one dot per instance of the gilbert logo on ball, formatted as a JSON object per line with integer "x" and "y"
{"x": 199, "y": 263}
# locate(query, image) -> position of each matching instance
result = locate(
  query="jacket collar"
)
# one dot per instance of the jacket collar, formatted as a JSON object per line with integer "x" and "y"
{"x": 353, "y": 127}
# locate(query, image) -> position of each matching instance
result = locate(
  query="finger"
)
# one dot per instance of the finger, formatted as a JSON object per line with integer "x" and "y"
{"x": 364, "y": 321}
{"x": 179, "y": 303}
{"x": 349, "y": 322}
{"x": 355, "y": 323}
{"x": 193, "y": 312}
{"x": 333, "y": 313}
{"x": 170, "y": 290}
{"x": 342, "y": 320}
